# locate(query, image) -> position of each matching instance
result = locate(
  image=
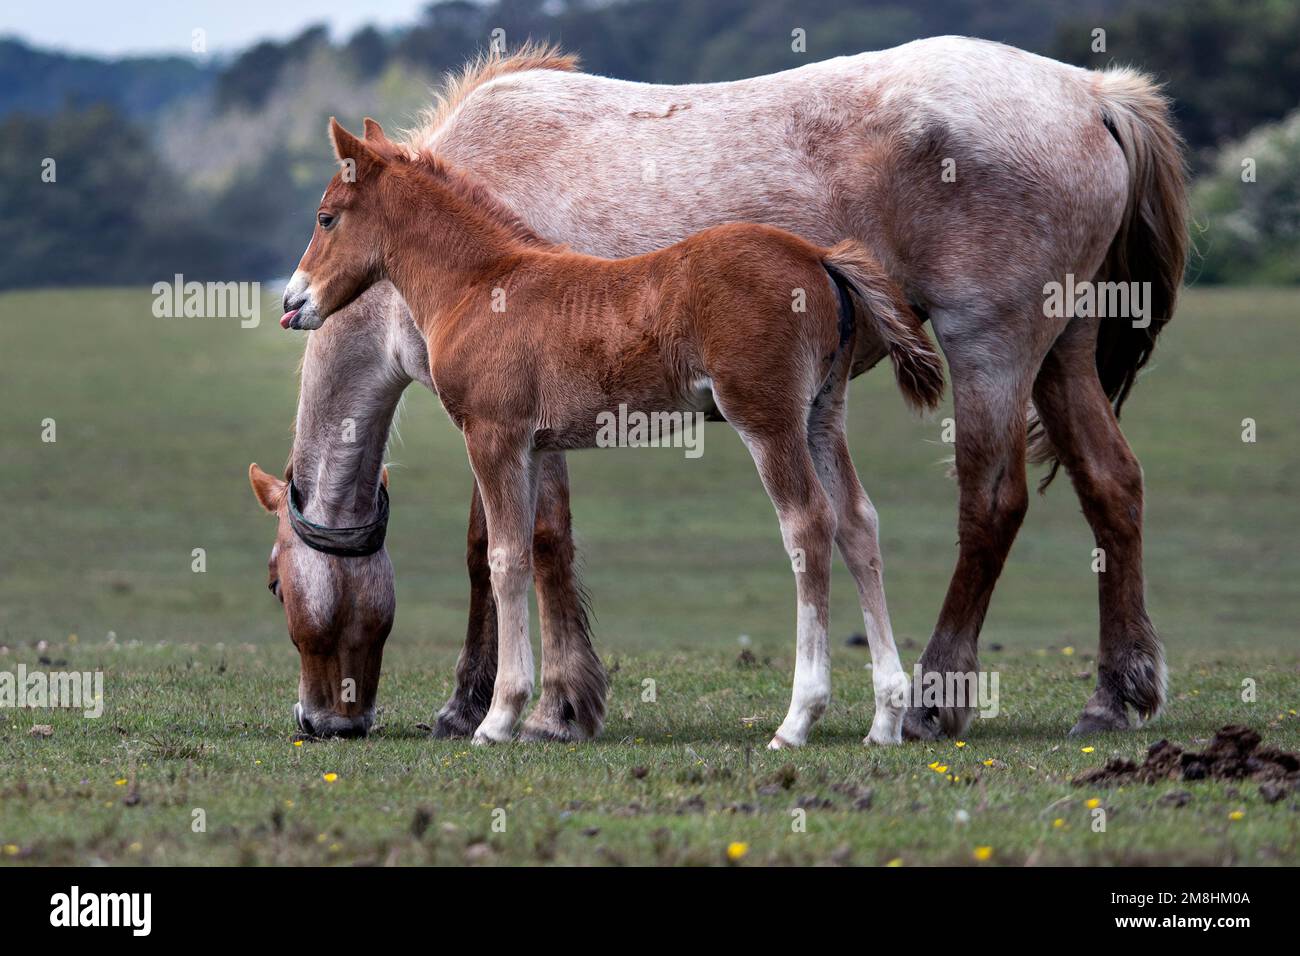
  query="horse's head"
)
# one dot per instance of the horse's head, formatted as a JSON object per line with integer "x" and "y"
{"x": 344, "y": 257}
{"x": 339, "y": 608}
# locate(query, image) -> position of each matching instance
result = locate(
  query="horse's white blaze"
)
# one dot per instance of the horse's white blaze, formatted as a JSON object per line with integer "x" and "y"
{"x": 312, "y": 581}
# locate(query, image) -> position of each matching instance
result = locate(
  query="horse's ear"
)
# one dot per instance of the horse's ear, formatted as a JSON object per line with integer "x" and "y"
{"x": 348, "y": 147}
{"x": 374, "y": 132}
{"x": 268, "y": 488}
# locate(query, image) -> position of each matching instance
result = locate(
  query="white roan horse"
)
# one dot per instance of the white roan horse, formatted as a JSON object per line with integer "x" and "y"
{"x": 981, "y": 176}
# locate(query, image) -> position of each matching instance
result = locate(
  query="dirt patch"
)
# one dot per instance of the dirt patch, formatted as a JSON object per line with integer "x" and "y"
{"x": 1233, "y": 754}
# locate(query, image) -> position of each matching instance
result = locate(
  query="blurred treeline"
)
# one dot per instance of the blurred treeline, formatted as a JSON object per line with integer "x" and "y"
{"x": 213, "y": 168}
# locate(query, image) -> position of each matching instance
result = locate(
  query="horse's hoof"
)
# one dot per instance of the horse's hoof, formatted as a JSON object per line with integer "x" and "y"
{"x": 920, "y": 724}
{"x": 544, "y": 732}
{"x": 1100, "y": 722}
{"x": 453, "y": 724}
{"x": 780, "y": 743}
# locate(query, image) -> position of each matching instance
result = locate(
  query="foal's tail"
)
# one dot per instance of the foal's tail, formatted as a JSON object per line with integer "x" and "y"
{"x": 1152, "y": 242}
{"x": 878, "y": 299}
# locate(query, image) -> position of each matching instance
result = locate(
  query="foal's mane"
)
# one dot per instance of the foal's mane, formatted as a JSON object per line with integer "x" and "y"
{"x": 467, "y": 188}
{"x": 483, "y": 69}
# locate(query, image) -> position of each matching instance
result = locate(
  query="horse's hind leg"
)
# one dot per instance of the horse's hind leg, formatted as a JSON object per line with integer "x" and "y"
{"x": 856, "y": 535}
{"x": 572, "y": 703}
{"x": 807, "y": 528}
{"x": 1108, "y": 480}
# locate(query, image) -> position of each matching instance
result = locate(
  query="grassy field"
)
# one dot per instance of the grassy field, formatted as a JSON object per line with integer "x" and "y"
{"x": 157, "y": 420}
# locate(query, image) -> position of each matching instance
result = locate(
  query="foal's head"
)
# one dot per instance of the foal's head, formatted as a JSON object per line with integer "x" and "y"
{"x": 382, "y": 188}
{"x": 339, "y": 611}
{"x": 345, "y": 255}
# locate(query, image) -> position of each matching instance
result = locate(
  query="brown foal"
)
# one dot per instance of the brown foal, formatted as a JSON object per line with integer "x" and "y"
{"x": 530, "y": 344}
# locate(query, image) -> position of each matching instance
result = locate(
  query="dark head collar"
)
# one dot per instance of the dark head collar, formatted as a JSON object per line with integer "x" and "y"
{"x": 356, "y": 542}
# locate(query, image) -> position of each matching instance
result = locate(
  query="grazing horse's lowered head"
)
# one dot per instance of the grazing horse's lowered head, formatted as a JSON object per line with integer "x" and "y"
{"x": 338, "y": 604}
{"x": 329, "y": 567}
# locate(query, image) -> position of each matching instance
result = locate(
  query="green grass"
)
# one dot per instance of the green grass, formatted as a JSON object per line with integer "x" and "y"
{"x": 157, "y": 420}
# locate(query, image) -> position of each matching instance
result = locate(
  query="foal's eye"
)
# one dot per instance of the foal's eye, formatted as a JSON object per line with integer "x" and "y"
{"x": 325, "y": 219}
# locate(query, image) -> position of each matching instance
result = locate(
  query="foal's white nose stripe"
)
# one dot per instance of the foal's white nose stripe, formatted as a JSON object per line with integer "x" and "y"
{"x": 299, "y": 283}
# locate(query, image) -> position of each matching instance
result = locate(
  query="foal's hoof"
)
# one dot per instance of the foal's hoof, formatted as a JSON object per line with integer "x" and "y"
{"x": 884, "y": 737}
{"x": 1100, "y": 722}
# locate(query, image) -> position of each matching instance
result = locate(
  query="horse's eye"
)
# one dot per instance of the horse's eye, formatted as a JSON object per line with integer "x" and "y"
{"x": 325, "y": 219}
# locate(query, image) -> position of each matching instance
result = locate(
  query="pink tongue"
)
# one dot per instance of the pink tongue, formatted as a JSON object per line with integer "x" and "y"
{"x": 287, "y": 318}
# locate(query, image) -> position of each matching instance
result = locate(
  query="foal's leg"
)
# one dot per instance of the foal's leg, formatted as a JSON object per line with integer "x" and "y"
{"x": 991, "y": 387}
{"x": 572, "y": 705}
{"x": 807, "y": 528}
{"x": 856, "y": 535}
{"x": 573, "y": 680}
{"x": 1083, "y": 430}
{"x": 507, "y": 475}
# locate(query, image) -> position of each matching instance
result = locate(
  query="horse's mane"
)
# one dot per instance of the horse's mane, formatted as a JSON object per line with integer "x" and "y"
{"x": 482, "y": 69}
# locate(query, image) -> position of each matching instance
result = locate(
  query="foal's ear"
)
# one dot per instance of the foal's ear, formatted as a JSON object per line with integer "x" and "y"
{"x": 268, "y": 488}
{"x": 347, "y": 146}
{"x": 374, "y": 132}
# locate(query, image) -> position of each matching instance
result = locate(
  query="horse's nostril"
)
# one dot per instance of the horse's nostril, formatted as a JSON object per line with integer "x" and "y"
{"x": 300, "y": 715}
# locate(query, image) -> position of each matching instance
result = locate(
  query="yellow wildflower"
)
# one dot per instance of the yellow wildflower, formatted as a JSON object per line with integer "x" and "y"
{"x": 737, "y": 851}
{"x": 983, "y": 853}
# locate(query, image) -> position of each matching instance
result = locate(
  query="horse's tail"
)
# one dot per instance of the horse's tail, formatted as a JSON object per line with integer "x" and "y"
{"x": 1152, "y": 242}
{"x": 875, "y": 298}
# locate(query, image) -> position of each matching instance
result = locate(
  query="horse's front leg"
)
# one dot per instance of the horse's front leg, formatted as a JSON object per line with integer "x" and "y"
{"x": 476, "y": 667}
{"x": 506, "y": 471}
{"x": 990, "y": 402}
{"x": 574, "y": 683}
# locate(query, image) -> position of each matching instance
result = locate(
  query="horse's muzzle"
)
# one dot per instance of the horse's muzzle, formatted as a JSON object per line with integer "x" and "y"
{"x": 327, "y": 724}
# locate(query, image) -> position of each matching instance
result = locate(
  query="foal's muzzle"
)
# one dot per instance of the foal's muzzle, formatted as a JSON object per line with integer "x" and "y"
{"x": 292, "y": 318}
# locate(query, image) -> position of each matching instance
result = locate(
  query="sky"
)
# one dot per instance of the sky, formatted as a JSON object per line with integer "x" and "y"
{"x": 117, "y": 27}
